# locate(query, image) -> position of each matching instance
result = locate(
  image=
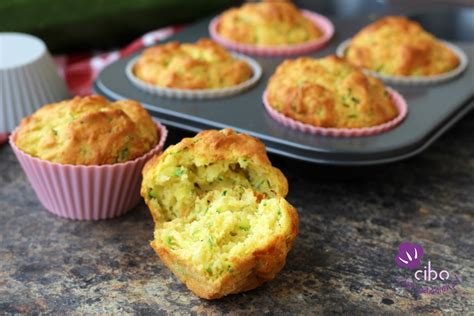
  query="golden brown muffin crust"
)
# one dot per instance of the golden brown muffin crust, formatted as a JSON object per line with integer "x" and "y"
{"x": 211, "y": 146}
{"x": 399, "y": 46}
{"x": 329, "y": 92}
{"x": 202, "y": 65}
{"x": 88, "y": 131}
{"x": 269, "y": 23}
{"x": 222, "y": 172}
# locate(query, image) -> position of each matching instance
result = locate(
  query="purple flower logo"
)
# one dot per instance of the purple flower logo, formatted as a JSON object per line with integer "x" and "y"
{"x": 409, "y": 255}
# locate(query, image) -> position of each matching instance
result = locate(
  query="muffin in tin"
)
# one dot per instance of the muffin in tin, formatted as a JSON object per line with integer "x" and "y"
{"x": 222, "y": 224}
{"x": 88, "y": 131}
{"x": 198, "y": 66}
{"x": 330, "y": 93}
{"x": 267, "y": 24}
{"x": 397, "y": 46}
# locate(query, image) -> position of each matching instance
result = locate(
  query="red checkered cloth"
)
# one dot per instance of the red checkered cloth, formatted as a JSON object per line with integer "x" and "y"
{"x": 80, "y": 70}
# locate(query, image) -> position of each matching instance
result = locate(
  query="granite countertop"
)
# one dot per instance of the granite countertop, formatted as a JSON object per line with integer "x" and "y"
{"x": 352, "y": 221}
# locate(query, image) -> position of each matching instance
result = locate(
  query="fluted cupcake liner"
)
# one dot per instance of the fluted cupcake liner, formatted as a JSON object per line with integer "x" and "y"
{"x": 28, "y": 86}
{"x": 397, "y": 99}
{"x": 200, "y": 94}
{"x": 86, "y": 192}
{"x": 320, "y": 21}
{"x": 410, "y": 80}
{"x": 3, "y": 138}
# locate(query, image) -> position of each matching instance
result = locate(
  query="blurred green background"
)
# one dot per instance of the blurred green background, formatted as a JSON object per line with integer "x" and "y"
{"x": 79, "y": 25}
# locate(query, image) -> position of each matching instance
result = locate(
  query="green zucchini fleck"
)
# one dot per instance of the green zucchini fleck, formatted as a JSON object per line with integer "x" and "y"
{"x": 169, "y": 241}
{"x": 178, "y": 172}
{"x": 123, "y": 154}
{"x": 152, "y": 194}
{"x": 244, "y": 227}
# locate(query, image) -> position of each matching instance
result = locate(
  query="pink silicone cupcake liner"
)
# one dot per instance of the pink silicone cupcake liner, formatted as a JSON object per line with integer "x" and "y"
{"x": 397, "y": 99}
{"x": 86, "y": 192}
{"x": 321, "y": 22}
{"x": 3, "y": 138}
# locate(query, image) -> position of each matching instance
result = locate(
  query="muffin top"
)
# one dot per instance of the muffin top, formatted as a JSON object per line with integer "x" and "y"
{"x": 270, "y": 23}
{"x": 211, "y": 161}
{"x": 203, "y": 65}
{"x": 398, "y": 46}
{"x": 88, "y": 131}
{"x": 329, "y": 92}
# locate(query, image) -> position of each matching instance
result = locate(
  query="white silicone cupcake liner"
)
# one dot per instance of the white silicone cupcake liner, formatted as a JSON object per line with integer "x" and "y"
{"x": 397, "y": 99}
{"x": 28, "y": 79}
{"x": 321, "y": 22}
{"x": 196, "y": 94}
{"x": 406, "y": 80}
{"x": 86, "y": 192}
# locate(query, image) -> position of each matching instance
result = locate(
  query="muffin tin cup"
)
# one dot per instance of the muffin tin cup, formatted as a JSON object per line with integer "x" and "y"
{"x": 86, "y": 192}
{"x": 405, "y": 80}
{"x": 196, "y": 94}
{"x": 28, "y": 77}
{"x": 321, "y": 22}
{"x": 397, "y": 99}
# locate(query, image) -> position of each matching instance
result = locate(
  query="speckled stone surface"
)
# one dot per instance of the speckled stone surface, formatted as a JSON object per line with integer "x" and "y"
{"x": 342, "y": 262}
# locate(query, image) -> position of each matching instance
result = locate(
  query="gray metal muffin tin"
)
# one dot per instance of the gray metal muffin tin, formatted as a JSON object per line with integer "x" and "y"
{"x": 432, "y": 109}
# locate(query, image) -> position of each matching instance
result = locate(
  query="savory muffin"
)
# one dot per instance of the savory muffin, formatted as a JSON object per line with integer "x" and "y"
{"x": 329, "y": 92}
{"x": 203, "y": 65}
{"x": 398, "y": 46}
{"x": 88, "y": 131}
{"x": 269, "y": 23}
{"x": 222, "y": 224}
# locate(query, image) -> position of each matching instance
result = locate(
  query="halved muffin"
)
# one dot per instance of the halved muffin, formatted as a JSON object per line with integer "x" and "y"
{"x": 268, "y": 23}
{"x": 398, "y": 46}
{"x": 222, "y": 224}
{"x": 329, "y": 92}
{"x": 202, "y": 65}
